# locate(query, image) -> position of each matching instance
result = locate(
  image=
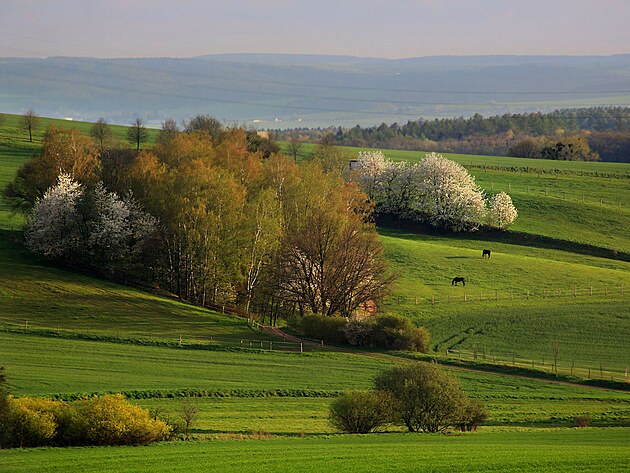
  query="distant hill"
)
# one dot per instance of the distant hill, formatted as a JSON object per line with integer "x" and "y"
{"x": 283, "y": 90}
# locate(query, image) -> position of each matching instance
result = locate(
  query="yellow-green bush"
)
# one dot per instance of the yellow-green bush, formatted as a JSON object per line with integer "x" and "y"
{"x": 28, "y": 422}
{"x": 99, "y": 420}
{"x": 112, "y": 420}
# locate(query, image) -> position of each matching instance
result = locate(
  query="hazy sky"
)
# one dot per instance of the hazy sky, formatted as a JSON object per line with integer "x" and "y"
{"x": 393, "y": 28}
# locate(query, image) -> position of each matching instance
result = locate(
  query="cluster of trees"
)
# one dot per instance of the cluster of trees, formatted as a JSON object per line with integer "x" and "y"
{"x": 436, "y": 190}
{"x": 420, "y": 396}
{"x": 383, "y": 331}
{"x": 596, "y": 127}
{"x": 208, "y": 213}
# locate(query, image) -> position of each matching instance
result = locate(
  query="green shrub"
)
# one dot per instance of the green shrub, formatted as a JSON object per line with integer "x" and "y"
{"x": 321, "y": 327}
{"x": 399, "y": 333}
{"x": 472, "y": 415}
{"x": 428, "y": 398}
{"x": 582, "y": 421}
{"x": 361, "y": 412}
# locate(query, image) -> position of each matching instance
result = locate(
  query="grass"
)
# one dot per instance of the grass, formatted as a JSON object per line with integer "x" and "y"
{"x": 49, "y": 366}
{"x": 534, "y": 450}
{"x": 43, "y": 365}
{"x": 47, "y": 297}
{"x": 513, "y": 324}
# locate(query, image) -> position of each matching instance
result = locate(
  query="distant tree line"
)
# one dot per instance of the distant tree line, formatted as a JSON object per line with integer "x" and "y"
{"x": 604, "y": 132}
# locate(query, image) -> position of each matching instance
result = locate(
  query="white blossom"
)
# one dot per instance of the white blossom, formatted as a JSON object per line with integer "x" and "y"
{"x": 450, "y": 197}
{"x": 502, "y": 210}
{"x": 54, "y": 227}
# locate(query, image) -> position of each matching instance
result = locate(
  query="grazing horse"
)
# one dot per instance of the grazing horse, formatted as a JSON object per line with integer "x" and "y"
{"x": 456, "y": 280}
{"x": 484, "y": 253}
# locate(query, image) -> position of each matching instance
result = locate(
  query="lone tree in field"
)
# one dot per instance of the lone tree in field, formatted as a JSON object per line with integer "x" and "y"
{"x": 29, "y": 122}
{"x": 295, "y": 148}
{"x": 137, "y": 133}
{"x": 502, "y": 211}
{"x": 427, "y": 398}
{"x": 102, "y": 133}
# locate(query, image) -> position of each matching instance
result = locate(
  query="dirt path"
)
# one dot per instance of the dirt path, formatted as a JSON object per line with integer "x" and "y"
{"x": 398, "y": 359}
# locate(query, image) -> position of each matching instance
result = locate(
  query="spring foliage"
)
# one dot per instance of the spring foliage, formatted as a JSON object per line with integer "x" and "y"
{"x": 436, "y": 191}
{"x": 99, "y": 420}
{"x": 213, "y": 219}
{"x": 361, "y": 412}
{"x": 502, "y": 211}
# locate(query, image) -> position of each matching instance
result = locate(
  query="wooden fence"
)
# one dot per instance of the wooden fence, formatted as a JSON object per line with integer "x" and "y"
{"x": 555, "y": 365}
{"x": 481, "y": 295}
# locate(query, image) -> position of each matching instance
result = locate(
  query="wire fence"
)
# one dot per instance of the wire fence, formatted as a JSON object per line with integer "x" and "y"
{"x": 266, "y": 341}
{"x": 481, "y": 295}
{"x": 554, "y": 364}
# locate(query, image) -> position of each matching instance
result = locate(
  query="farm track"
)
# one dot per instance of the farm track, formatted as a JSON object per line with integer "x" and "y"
{"x": 382, "y": 356}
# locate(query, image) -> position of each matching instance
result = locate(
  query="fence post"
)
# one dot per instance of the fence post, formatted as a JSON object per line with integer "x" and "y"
{"x": 26, "y": 325}
{"x": 528, "y": 295}
{"x": 591, "y": 290}
{"x": 465, "y": 297}
{"x": 301, "y": 348}
{"x": 416, "y": 300}
{"x": 433, "y": 299}
{"x": 270, "y": 345}
{"x": 180, "y": 339}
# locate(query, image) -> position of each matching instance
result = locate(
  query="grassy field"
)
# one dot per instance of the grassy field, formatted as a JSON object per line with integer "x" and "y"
{"x": 559, "y": 243}
{"x": 49, "y": 366}
{"x": 498, "y": 316}
{"x": 555, "y": 450}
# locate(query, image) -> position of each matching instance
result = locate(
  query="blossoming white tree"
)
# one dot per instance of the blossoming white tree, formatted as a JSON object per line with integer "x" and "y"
{"x": 502, "y": 211}
{"x": 449, "y": 196}
{"x": 436, "y": 190}
{"x": 54, "y": 229}
{"x": 371, "y": 165}
{"x": 96, "y": 226}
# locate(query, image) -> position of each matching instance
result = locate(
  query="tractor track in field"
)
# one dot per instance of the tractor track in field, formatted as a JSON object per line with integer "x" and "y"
{"x": 398, "y": 359}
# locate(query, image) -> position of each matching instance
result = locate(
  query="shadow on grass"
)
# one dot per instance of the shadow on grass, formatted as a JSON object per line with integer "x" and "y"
{"x": 487, "y": 234}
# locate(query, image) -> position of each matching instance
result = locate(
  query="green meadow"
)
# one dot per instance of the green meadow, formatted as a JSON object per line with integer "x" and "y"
{"x": 588, "y": 450}
{"x": 572, "y": 237}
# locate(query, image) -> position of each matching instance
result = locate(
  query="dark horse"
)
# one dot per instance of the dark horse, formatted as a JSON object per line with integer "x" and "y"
{"x": 484, "y": 253}
{"x": 456, "y": 280}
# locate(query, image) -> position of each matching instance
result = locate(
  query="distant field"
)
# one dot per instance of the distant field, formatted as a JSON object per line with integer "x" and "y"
{"x": 480, "y": 161}
{"x": 11, "y": 133}
{"x": 588, "y": 450}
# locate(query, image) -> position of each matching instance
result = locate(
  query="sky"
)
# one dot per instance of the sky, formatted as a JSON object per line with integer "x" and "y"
{"x": 375, "y": 28}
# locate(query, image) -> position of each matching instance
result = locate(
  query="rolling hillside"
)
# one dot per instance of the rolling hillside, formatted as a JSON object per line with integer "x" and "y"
{"x": 85, "y": 335}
